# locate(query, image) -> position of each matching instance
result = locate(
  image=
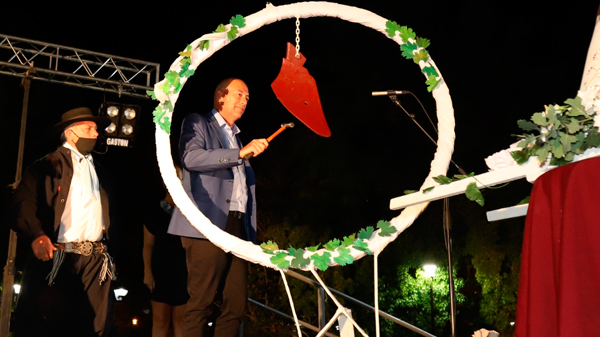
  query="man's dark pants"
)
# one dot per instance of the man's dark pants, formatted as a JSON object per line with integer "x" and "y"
{"x": 216, "y": 285}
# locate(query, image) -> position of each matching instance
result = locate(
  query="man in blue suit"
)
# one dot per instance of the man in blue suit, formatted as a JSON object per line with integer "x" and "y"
{"x": 222, "y": 184}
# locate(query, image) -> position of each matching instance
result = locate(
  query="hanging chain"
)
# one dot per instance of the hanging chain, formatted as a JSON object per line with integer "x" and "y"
{"x": 297, "y": 37}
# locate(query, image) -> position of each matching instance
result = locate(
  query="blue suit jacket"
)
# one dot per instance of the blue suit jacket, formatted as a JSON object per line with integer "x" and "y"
{"x": 208, "y": 177}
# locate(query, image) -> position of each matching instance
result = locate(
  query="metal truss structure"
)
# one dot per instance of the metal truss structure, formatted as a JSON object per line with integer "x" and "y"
{"x": 76, "y": 67}
{"x": 69, "y": 66}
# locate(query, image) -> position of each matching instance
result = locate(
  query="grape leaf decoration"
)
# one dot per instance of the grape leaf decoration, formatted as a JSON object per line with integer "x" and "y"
{"x": 332, "y": 244}
{"x": 321, "y": 261}
{"x": 280, "y": 260}
{"x": 363, "y": 246}
{"x": 344, "y": 258}
{"x": 269, "y": 247}
{"x": 348, "y": 240}
{"x": 299, "y": 261}
{"x": 238, "y": 20}
{"x": 366, "y": 233}
{"x": 386, "y": 229}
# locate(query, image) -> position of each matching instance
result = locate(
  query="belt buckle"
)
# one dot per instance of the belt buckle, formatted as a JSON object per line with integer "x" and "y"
{"x": 86, "y": 248}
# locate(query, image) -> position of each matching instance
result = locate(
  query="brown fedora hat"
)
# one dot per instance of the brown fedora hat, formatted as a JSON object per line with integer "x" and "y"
{"x": 80, "y": 115}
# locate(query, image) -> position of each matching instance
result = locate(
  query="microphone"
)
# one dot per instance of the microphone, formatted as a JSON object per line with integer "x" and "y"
{"x": 390, "y": 93}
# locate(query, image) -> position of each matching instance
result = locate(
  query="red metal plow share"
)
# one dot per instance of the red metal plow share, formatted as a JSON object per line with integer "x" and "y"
{"x": 297, "y": 90}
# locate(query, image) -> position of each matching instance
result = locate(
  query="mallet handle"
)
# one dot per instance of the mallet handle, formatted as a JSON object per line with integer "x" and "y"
{"x": 283, "y": 127}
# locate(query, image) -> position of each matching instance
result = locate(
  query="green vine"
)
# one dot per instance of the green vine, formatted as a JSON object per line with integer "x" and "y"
{"x": 472, "y": 192}
{"x": 414, "y": 48}
{"x": 358, "y": 241}
{"x": 174, "y": 79}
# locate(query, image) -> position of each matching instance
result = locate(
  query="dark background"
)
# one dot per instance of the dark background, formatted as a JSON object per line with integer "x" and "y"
{"x": 501, "y": 61}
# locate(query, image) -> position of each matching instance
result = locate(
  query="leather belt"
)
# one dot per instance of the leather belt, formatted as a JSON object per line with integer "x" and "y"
{"x": 85, "y": 248}
{"x": 236, "y": 214}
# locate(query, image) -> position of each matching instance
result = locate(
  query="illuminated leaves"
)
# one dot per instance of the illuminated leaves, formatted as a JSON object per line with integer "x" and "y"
{"x": 299, "y": 261}
{"x": 407, "y": 33}
{"x": 344, "y": 258}
{"x": 432, "y": 82}
{"x": 321, "y": 261}
{"x": 474, "y": 194}
{"x": 386, "y": 228}
{"x": 421, "y": 56}
{"x": 313, "y": 248}
{"x": 173, "y": 79}
{"x": 238, "y": 20}
{"x": 423, "y": 43}
{"x": 414, "y": 48}
{"x": 269, "y": 247}
{"x": 159, "y": 116}
{"x": 232, "y": 33}
{"x": 335, "y": 251}
{"x": 430, "y": 71}
{"x": 332, "y": 244}
{"x": 365, "y": 233}
{"x": 362, "y": 245}
{"x": 280, "y": 260}
{"x": 220, "y": 29}
{"x": 442, "y": 179}
{"x": 561, "y": 132}
{"x": 527, "y": 126}
{"x": 348, "y": 240}
{"x": 204, "y": 44}
{"x": 187, "y": 52}
{"x": 408, "y": 50}
{"x": 391, "y": 28}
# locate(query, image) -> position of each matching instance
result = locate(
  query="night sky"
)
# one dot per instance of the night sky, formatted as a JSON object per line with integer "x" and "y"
{"x": 501, "y": 63}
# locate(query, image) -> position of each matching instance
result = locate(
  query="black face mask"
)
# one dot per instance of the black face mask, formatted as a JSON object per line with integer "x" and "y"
{"x": 85, "y": 146}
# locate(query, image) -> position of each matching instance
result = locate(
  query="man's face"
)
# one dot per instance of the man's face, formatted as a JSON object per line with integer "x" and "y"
{"x": 86, "y": 129}
{"x": 233, "y": 101}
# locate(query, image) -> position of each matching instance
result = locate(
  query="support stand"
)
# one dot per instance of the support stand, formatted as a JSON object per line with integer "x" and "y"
{"x": 9, "y": 269}
{"x": 448, "y": 242}
{"x": 447, "y": 229}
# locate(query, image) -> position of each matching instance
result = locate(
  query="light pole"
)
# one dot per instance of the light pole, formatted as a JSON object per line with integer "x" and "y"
{"x": 430, "y": 272}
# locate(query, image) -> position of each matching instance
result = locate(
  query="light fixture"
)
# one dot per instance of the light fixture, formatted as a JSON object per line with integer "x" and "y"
{"x": 120, "y": 293}
{"x": 429, "y": 270}
{"x": 17, "y": 288}
{"x": 122, "y": 128}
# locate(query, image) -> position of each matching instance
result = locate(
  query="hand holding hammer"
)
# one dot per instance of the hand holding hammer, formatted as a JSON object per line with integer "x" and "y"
{"x": 261, "y": 146}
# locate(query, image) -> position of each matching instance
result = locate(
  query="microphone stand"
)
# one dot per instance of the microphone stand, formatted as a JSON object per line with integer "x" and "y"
{"x": 412, "y": 117}
{"x": 446, "y": 222}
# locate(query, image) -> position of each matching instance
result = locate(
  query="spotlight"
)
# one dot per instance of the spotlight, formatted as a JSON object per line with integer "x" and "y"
{"x": 122, "y": 128}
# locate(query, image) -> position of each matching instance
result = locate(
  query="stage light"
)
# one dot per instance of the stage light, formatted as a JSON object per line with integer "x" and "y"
{"x": 122, "y": 128}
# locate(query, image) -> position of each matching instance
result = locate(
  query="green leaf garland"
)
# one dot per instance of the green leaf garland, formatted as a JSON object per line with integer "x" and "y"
{"x": 557, "y": 134}
{"x": 415, "y": 48}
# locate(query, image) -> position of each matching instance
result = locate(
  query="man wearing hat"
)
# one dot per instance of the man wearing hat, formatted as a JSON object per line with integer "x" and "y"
{"x": 61, "y": 209}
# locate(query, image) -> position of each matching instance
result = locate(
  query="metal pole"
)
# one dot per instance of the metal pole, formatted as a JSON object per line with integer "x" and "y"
{"x": 432, "y": 307}
{"x": 9, "y": 269}
{"x": 448, "y": 239}
{"x": 321, "y": 307}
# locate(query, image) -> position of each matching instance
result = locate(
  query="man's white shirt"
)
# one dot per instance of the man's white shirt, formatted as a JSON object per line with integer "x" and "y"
{"x": 82, "y": 218}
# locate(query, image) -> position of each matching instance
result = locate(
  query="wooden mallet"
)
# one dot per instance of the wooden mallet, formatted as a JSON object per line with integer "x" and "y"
{"x": 283, "y": 127}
